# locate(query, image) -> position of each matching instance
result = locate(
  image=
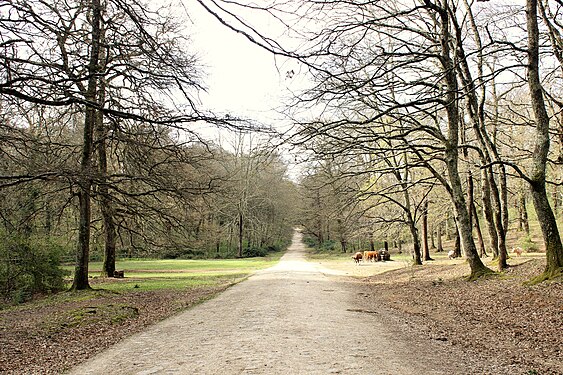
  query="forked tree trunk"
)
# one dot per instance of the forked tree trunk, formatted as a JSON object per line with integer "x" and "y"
{"x": 478, "y": 269}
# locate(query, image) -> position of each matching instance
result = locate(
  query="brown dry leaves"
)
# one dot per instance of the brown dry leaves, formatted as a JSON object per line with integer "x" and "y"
{"x": 49, "y": 338}
{"x": 499, "y": 318}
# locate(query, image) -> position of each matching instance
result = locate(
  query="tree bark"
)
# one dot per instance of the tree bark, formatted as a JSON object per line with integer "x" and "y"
{"x": 546, "y": 218}
{"x": 425, "y": 247}
{"x": 439, "y": 239}
{"x": 80, "y": 281}
{"x": 106, "y": 204}
{"x": 524, "y": 213}
{"x": 451, "y": 156}
{"x": 481, "y": 242}
{"x": 240, "y": 234}
{"x": 488, "y": 214}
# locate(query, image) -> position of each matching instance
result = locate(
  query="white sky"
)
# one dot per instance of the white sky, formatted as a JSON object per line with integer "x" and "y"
{"x": 242, "y": 79}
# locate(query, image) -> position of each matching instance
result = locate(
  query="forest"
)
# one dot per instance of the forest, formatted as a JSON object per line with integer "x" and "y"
{"x": 424, "y": 118}
{"x": 102, "y": 155}
{"x": 413, "y": 120}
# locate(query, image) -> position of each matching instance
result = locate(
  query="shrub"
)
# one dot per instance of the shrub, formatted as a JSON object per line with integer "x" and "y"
{"x": 252, "y": 252}
{"x": 528, "y": 245}
{"x": 29, "y": 266}
{"x": 329, "y": 245}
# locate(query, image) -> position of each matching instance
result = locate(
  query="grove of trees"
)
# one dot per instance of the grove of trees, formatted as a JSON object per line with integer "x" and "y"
{"x": 415, "y": 119}
{"x": 418, "y": 106}
{"x": 100, "y": 151}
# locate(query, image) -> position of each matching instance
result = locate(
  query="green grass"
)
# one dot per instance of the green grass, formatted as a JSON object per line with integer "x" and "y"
{"x": 156, "y": 274}
{"x": 187, "y": 264}
{"x": 149, "y": 284}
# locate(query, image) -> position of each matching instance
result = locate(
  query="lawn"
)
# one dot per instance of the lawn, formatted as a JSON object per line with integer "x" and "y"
{"x": 155, "y": 274}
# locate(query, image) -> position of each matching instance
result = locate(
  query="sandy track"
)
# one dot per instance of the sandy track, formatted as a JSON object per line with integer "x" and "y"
{"x": 293, "y": 318}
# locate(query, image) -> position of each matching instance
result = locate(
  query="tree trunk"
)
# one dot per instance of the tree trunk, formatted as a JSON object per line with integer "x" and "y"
{"x": 106, "y": 205}
{"x": 546, "y": 218}
{"x": 432, "y": 240}
{"x": 480, "y": 241}
{"x": 80, "y": 281}
{"x": 524, "y": 213}
{"x": 470, "y": 196}
{"x": 518, "y": 207}
{"x": 457, "y": 246}
{"x": 425, "y": 247}
{"x": 240, "y": 235}
{"x": 439, "y": 238}
{"x": 447, "y": 225}
{"x": 417, "y": 257}
{"x": 555, "y": 199}
{"x": 498, "y": 219}
{"x": 451, "y": 153}
{"x": 488, "y": 214}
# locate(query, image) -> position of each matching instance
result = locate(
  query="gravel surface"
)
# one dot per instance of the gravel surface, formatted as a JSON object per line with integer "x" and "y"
{"x": 294, "y": 318}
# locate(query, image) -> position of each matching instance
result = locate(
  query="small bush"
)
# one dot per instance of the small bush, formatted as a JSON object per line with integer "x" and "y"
{"x": 29, "y": 266}
{"x": 329, "y": 245}
{"x": 253, "y": 252}
{"x": 528, "y": 245}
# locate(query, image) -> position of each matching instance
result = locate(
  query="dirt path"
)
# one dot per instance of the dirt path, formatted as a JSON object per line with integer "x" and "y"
{"x": 294, "y": 318}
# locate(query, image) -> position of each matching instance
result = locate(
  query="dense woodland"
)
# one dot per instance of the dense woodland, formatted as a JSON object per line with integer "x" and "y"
{"x": 414, "y": 120}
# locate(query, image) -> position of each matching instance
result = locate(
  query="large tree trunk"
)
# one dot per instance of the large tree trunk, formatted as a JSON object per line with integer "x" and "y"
{"x": 106, "y": 205}
{"x": 451, "y": 153}
{"x": 546, "y": 218}
{"x": 80, "y": 281}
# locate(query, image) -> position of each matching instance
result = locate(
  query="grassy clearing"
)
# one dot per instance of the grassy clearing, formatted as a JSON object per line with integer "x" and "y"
{"x": 159, "y": 274}
{"x": 167, "y": 282}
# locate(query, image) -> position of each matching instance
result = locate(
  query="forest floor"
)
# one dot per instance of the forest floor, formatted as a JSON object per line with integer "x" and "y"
{"x": 497, "y": 325}
{"x": 499, "y": 318}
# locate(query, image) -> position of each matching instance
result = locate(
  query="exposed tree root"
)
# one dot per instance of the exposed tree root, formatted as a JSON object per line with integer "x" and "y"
{"x": 481, "y": 274}
{"x": 551, "y": 275}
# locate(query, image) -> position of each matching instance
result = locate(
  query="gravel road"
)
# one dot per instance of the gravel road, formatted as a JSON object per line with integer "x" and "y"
{"x": 294, "y": 318}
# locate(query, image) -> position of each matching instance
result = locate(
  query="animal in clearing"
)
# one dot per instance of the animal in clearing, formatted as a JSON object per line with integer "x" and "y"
{"x": 383, "y": 255}
{"x": 451, "y": 254}
{"x": 371, "y": 256}
{"x": 517, "y": 250}
{"x": 357, "y": 257}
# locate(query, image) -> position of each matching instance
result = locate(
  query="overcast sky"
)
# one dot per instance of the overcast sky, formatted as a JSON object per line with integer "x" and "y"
{"x": 242, "y": 78}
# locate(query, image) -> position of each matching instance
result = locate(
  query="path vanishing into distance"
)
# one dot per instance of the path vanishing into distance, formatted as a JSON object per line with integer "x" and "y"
{"x": 294, "y": 318}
